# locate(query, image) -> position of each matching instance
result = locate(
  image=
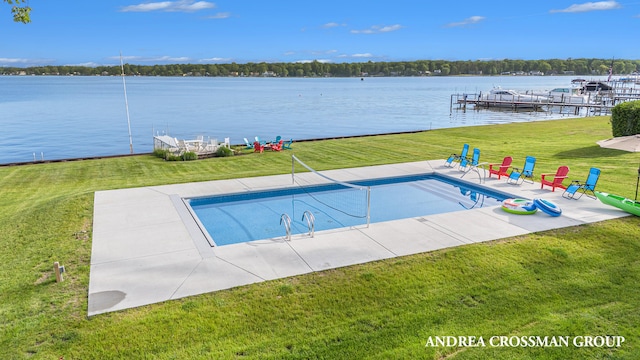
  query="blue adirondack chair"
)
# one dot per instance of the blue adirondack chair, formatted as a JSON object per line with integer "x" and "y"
{"x": 577, "y": 188}
{"x": 518, "y": 176}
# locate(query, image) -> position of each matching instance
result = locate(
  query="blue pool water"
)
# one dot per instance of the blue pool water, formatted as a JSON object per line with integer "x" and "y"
{"x": 242, "y": 217}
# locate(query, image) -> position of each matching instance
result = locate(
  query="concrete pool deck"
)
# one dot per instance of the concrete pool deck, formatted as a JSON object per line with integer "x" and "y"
{"x": 147, "y": 248}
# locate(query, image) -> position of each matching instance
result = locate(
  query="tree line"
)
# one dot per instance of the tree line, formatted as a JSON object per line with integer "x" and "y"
{"x": 359, "y": 69}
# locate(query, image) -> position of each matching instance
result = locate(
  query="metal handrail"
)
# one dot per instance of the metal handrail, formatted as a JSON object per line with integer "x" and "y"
{"x": 482, "y": 177}
{"x": 311, "y": 220}
{"x": 287, "y": 225}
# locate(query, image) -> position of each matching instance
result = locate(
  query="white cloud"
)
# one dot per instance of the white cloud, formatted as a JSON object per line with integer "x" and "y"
{"x": 179, "y": 59}
{"x": 365, "y": 55}
{"x": 86, "y": 64}
{"x": 221, "y": 15}
{"x": 357, "y": 56}
{"x": 323, "y": 52}
{"x": 378, "y": 29}
{"x": 590, "y": 6}
{"x": 215, "y": 60}
{"x": 170, "y": 6}
{"x": 24, "y": 62}
{"x": 14, "y": 61}
{"x": 332, "y": 25}
{"x": 467, "y": 21}
{"x": 158, "y": 59}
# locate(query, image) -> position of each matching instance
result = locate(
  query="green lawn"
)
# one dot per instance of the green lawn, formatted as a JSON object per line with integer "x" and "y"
{"x": 571, "y": 282}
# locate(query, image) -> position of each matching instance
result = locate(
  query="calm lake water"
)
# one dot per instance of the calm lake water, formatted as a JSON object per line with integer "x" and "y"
{"x": 59, "y": 117}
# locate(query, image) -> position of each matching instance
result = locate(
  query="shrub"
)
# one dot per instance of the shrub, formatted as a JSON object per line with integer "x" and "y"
{"x": 172, "y": 157}
{"x": 189, "y": 155}
{"x": 169, "y": 156}
{"x": 160, "y": 153}
{"x": 625, "y": 119}
{"x": 224, "y": 151}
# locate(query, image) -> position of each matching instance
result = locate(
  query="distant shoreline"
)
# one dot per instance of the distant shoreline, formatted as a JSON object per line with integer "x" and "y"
{"x": 320, "y": 69}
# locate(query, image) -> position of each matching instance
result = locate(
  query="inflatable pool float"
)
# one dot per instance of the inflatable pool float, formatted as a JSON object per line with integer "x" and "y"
{"x": 519, "y": 206}
{"x": 548, "y": 207}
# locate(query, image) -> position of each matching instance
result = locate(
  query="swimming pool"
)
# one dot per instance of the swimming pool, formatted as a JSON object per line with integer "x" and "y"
{"x": 242, "y": 217}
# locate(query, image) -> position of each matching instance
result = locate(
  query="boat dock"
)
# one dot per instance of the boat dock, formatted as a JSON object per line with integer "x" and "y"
{"x": 600, "y": 98}
{"x": 478, "y": 102}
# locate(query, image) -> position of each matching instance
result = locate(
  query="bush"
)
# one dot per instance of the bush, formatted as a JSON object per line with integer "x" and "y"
{"x": 173, "y": 157}
{"x": 160, "y": 153}
{"x": 224, "y": 151}
{"x": 189, "y": 155}
{"x": 168, "y": 156}
{"x": 625, "y": 119}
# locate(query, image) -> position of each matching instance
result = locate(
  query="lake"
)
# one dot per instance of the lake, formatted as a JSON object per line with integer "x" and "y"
{"x": 60, "y": 117}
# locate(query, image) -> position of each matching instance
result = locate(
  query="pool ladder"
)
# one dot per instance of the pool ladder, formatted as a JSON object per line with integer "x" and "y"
{"x": 311, "y": 220}
{"x": 286, "y": 220}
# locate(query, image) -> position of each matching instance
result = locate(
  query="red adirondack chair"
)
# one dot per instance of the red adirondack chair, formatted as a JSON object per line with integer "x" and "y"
{"x": 558, "y": 177}
{"x": 501, "y": 169}
{"x": 257, "y": 147}
{"x": 277, "y": 146}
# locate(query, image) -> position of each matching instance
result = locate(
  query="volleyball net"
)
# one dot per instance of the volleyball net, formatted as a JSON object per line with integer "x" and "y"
{"x": 348, "y": 199}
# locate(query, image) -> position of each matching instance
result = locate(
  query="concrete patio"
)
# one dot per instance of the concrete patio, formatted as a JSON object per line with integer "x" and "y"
{"x": 147, "y": 248}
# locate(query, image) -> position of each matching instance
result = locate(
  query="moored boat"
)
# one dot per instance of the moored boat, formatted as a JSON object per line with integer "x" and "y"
{"x": 622, "y": 203}
{"x": 499, "y": 97}
{"x": 499, "y": 94}
{"x": 596, "y": 86}
{"x": 567, "y": 95}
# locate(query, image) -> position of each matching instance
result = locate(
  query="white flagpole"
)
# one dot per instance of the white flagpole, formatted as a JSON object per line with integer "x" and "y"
{"x": 126, "y": 104}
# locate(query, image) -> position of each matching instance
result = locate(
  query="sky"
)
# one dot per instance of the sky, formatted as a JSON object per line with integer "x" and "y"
{"x": 97, "y": 32}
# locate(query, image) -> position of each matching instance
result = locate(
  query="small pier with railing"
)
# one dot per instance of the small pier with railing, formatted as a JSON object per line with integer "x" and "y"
{"x": 477, "y": 102}
{"x": 598, "y": 102}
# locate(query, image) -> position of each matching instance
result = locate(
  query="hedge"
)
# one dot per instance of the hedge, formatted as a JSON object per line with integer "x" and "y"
{"x": 625, "y": 119}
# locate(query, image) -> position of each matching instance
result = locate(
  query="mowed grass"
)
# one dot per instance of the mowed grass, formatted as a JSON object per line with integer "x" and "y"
{"x": 570, "y": 282}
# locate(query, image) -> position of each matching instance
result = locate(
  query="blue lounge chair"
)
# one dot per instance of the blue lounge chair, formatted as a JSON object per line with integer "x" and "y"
{"x": 277, "y": 140}
{"x": 261, "y": 142}
{"x": 518, "y": 176}
{"x": 457, "y": 157}
{"x": 466, "y": 164}
{"x": 576, "y": 189}
{"x": 287, "y": 145}
{"x": 248, "y": 144}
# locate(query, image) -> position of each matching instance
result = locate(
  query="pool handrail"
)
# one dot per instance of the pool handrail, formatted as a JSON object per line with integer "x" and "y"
{"x": 311, "y": 220}
{"x": 476, "y": 168}
{"x": 287, "y": 225}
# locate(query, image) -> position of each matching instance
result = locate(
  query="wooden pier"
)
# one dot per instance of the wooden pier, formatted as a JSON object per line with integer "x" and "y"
{"x": 598, "y": 103}
{"x": 464, "y": 100}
